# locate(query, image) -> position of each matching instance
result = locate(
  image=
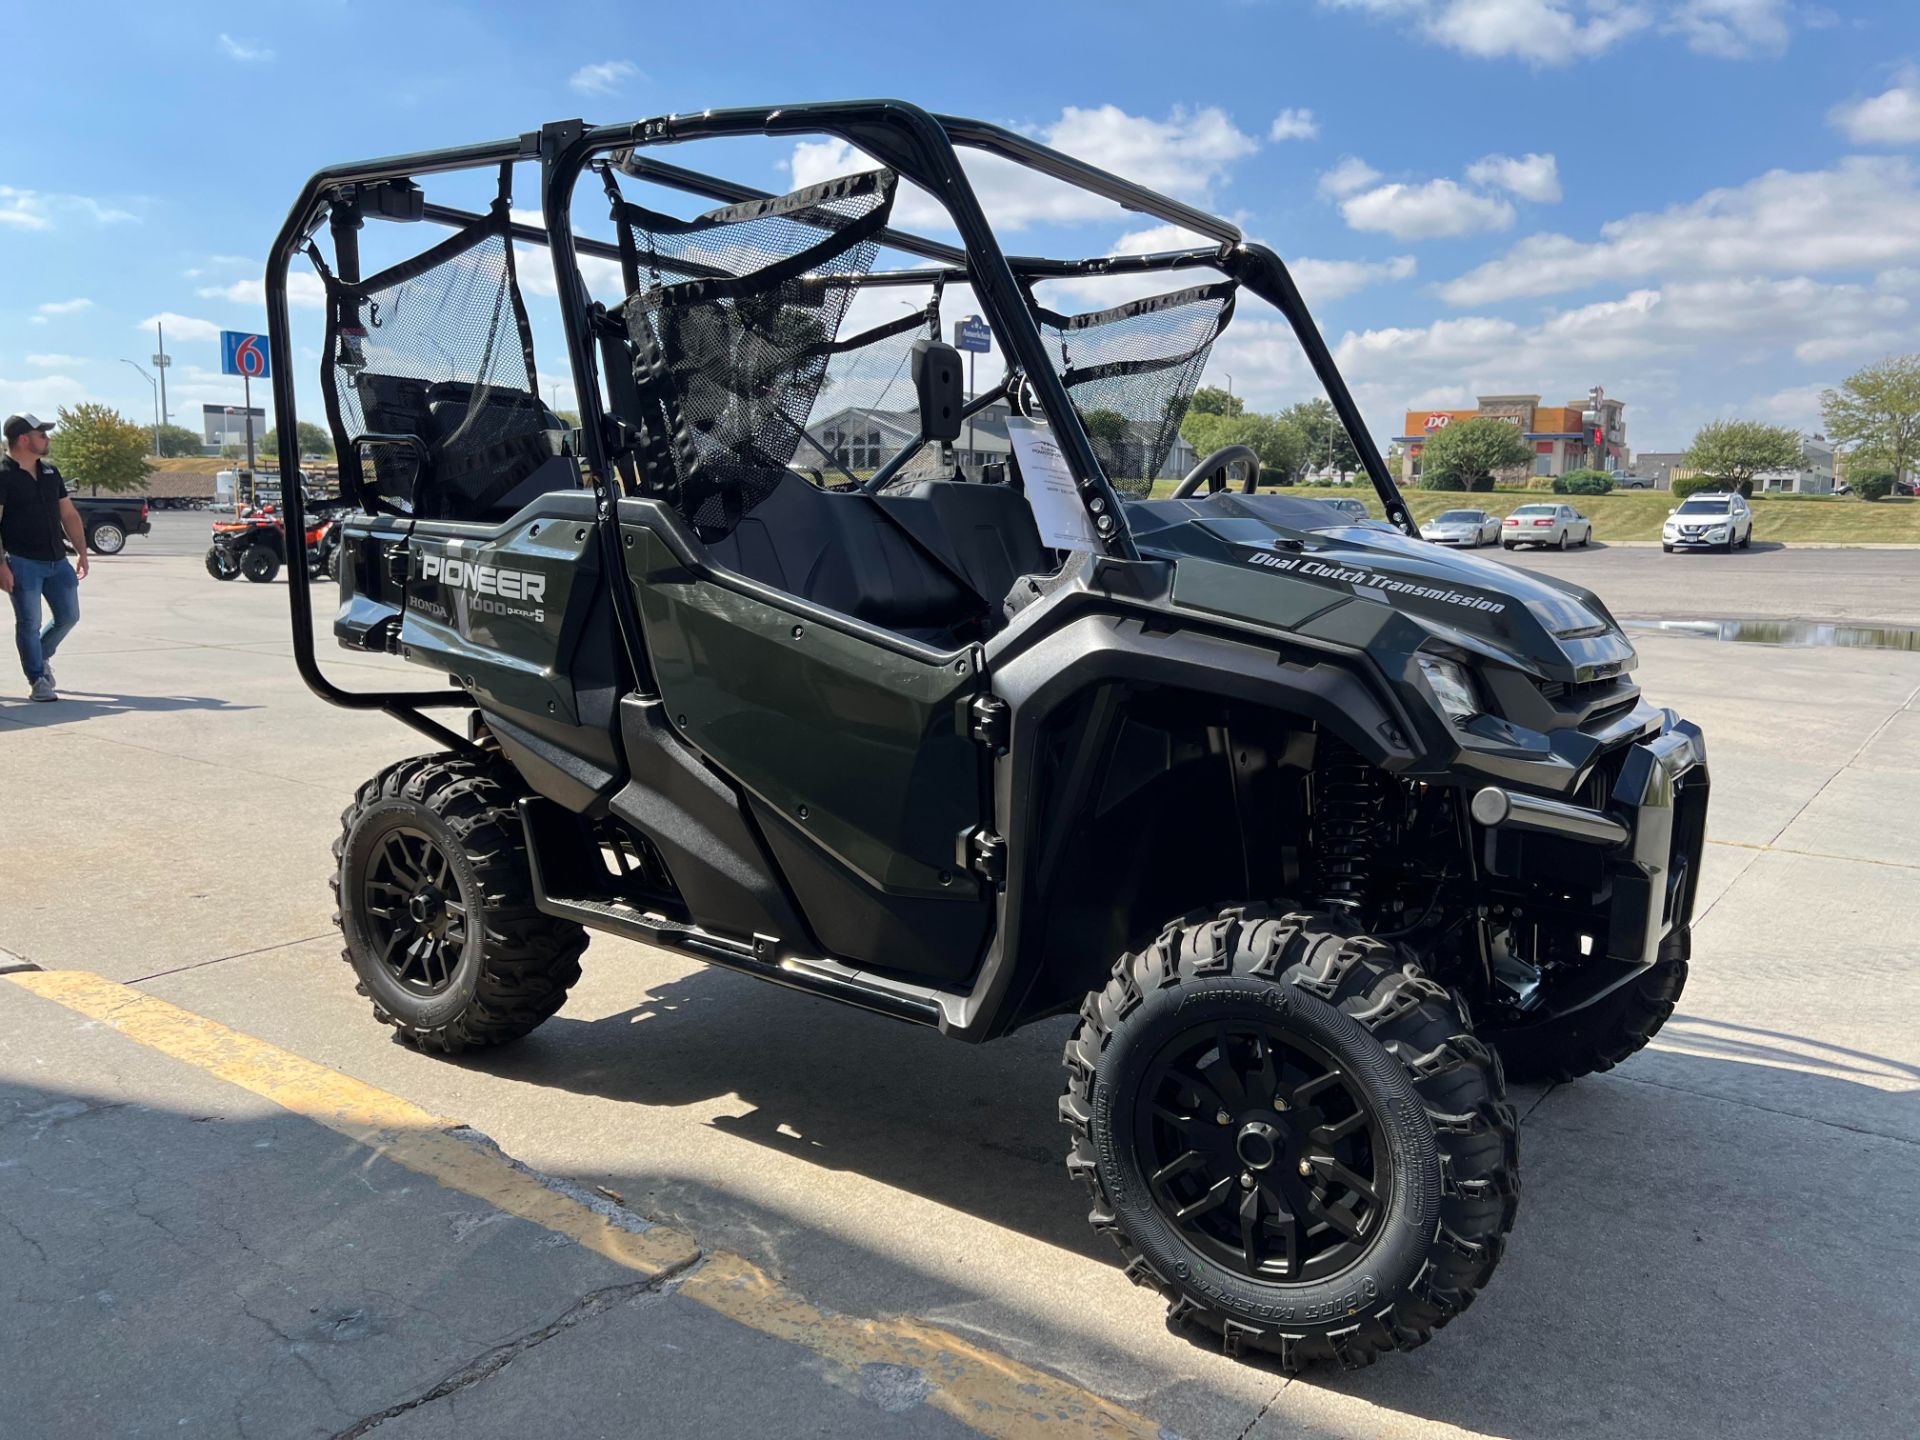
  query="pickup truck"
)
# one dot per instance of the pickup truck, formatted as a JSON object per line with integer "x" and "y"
{"x": 110, "y": 519}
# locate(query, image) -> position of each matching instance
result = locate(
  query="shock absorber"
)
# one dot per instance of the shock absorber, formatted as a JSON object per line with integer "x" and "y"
{"x": 1346, "y": 823}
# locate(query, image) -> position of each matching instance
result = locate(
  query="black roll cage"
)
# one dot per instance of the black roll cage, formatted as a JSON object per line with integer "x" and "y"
{"x": 918, "y": 145}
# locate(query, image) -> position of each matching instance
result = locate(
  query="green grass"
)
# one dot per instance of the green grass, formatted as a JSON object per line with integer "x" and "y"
{"x": 1638, "y": 514}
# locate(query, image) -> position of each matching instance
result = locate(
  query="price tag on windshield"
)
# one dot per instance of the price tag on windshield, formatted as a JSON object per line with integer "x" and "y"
{"x": 1057, "y": 512}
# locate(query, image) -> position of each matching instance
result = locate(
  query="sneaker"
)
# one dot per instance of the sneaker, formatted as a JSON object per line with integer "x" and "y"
{"x": 47, "y": 670}
{"x": 43, "y": 689}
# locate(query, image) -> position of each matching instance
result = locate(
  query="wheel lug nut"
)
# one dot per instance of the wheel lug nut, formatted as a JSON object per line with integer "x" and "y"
{"x": 1246, "y": 1181}
{"x": 1306, "y": 1167}
{"x": 1223, "y": 1118}
{"x": 1280, "y": 1105}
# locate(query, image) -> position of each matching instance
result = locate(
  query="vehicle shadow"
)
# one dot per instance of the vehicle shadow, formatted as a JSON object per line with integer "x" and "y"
{"x": 1690, "y": 1248}
{"x": 75, "y": 705}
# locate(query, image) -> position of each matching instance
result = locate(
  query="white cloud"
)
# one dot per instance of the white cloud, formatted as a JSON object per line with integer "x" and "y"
{"x": 1294, "y": 125}
{"x": 66, "y": 307}
{"x": 1734, "y": 29}
{"x": 1889, "y": 118}
{"x": 182, "y": 327}
{"x": 1649, "y": 347}
{"x": 55, "y": 362}
{"x": 1863, "y": 214}
{"x": 304, "y": 289}
{"x": 245, "y": 51}
{"x": 1349, "y": 175}
{"x": 1185, "y": 155}
{"x": 1530, "y": 176}
{"x": 1323, "y": 281}
{"x": 605, "y": 77}
{"x": 1574, "y": 32}
{"x": 39, "y": 210}
{"x": 43, "y": 394}
{"x": 1424, "y": 212}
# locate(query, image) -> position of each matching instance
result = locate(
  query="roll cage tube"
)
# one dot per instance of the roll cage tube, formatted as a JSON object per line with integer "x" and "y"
{"x": 903, "y": 136}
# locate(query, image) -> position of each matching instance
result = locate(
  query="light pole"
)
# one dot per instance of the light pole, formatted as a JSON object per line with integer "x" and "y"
{"x": 1229, "y": 375}
{"x": 161, "y": 360}
{"x": 156, "y": 406}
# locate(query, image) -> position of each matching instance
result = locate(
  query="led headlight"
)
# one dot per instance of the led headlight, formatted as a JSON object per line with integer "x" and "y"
{"x": 1452, "y": 686}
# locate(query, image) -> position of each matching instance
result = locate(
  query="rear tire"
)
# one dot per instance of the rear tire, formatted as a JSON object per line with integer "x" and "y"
{"x": 260, "y": 565}
{"x": 1564, "y": 541}
{"x": 433, "y": 894}
{"x": 107, "y": 539}
{"x": 1603, "y": 1034}
{"x": 1411, "y": 1107}
{"x": 333, "y": 564}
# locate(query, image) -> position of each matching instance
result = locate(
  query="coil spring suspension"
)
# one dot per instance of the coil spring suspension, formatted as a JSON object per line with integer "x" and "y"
{"x": 1346, "y": 823}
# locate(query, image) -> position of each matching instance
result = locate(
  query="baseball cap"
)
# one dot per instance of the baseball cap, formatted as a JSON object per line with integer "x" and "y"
{"x": 18, "y": 425}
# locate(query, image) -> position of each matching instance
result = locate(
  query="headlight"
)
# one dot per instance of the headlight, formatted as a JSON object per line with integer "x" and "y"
{"x": 1452, "y": 686}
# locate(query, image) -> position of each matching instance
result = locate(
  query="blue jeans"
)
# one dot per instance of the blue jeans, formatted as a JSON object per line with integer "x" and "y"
{"x": 32, "y": 579}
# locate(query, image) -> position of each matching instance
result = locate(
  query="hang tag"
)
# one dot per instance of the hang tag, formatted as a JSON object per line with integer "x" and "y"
{"x": 1057, "y": 509}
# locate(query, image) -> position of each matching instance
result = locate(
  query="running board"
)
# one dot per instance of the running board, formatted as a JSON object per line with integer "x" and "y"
{"x": 760, "y": 958}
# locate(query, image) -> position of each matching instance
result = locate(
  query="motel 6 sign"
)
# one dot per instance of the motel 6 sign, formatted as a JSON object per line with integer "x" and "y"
{"x": 244, "y": 354}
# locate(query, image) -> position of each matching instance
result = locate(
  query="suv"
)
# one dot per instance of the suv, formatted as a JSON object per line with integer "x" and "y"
{"x": 1708, "y": 522}
{"x": 1318, "y": 833}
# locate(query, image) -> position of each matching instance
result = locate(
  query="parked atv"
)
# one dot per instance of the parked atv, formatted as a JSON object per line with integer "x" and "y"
{"x": 1311, "y": 825}
{"x": 254, "y": 544}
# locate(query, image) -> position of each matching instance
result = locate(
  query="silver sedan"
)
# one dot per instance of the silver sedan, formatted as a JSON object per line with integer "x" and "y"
{"x": 1544, "y": 524}
{"x": 1468, "y": 528}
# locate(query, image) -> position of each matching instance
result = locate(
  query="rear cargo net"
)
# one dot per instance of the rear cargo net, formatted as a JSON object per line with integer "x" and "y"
{"x": 733, "y": 319}
{"x": 1131, "y": 372}
{"x": 433, "y": 358}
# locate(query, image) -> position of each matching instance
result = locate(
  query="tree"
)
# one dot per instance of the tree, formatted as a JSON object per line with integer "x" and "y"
{"x": 1212, "y": 400}
{"x": 1327, "y": 443}
{"x": 1874, "y": 485}
{"x": 1465, "y": 456}
{"x": 97, "y": 446}
{"x": 314, "y": 440}
{"x": 177, "y": 440}
{"x": 1878, "y": 410}
{"x": 1279, "y": 445}
{"x": 1732, "y": 452}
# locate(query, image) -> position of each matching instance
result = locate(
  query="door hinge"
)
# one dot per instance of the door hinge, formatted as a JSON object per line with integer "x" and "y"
{"x": 989, "y": 722}
{"x": 988, "y": 855}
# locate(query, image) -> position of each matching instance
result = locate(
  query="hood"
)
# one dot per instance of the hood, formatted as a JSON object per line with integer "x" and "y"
{"x": 1297, "y": 564}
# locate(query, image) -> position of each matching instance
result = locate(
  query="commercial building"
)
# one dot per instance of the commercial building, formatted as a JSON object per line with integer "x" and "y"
{"x": 224, "y": 425}
{"x": 863, "y": 440}
{"x": 1561, "y": 438}
{"x": 1813, "y": 477}
{"x": 1658, "y": 466}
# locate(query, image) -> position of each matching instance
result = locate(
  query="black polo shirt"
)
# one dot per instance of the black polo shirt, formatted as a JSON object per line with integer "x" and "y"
{"x": 30, "y": 521}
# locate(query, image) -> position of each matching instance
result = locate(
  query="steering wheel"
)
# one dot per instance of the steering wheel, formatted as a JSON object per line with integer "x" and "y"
{"x": 1212, "y": 472}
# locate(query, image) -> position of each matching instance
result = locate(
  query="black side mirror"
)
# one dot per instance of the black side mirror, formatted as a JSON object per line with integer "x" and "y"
{"x": 937, "y": 379}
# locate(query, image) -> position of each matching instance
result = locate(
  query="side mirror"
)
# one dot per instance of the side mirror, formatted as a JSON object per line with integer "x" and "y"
{"x": 937, "y": 378}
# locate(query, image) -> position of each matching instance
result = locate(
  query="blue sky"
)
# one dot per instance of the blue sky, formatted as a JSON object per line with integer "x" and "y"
{"x": 1710, "y": 207}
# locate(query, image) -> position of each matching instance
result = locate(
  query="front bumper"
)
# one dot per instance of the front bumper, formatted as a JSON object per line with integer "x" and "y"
{"x": 1696, "y": 542}
{"x": 1649, "y": 836}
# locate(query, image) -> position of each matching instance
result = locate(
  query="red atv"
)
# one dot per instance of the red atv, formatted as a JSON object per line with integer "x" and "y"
{"x": 254, "y": 544}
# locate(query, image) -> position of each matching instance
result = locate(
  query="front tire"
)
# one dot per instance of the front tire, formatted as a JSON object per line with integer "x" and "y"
{"x": 1359, "y": 1190}
{"x": 260, "y": 565}
{"x": 433, "y": 894}
{"x": 1599, "y": 1036}
{"x": 221, "y": 564}
{"x": 107, "y": 539}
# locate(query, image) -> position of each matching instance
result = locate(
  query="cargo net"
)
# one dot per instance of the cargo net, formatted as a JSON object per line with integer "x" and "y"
{"x": 437, "y": 351}
{"x": 733, "y": 320}
{"x": 1131, "y": 372}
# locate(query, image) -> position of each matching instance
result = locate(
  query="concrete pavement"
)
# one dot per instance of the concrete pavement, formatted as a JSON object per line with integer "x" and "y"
{"x": 1715, "y": 1239}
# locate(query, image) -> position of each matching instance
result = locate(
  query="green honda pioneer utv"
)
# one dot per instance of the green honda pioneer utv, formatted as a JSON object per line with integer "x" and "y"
{"x": 791, "y": 654}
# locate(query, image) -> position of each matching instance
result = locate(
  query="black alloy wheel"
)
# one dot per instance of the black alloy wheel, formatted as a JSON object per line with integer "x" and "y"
{"x": 416, "y": 911}
{"x": 260, "y": 564}
{"x": 1263, "y": 1152}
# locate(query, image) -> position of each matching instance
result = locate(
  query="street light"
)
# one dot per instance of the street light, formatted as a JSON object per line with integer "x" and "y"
{"x": 156, "y": 405}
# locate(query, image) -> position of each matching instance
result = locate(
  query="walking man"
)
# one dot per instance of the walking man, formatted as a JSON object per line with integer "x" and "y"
{"x": 34, "y": 513}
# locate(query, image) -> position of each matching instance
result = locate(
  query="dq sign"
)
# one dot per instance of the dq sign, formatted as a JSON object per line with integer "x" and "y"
{"x": 1439, "y": 422}
{"x": 243, "y": 354}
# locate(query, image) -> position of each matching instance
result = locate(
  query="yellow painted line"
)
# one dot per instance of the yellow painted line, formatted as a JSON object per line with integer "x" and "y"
{"x": 986, "y": 1391}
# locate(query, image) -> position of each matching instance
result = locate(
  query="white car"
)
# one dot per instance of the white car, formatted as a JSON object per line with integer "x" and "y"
{"x": 1470, "y": 528}
{"x": 1709, "y": 522}
{"x": 1558, "y": 525}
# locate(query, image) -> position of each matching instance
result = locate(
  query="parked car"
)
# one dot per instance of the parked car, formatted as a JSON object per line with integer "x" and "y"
{"x": 1350, "y": 507}
{"x": 1471, "y": 528}
{"x": 1558, "y": 525}
{"x": 1633, "y": 482}
{"x": 1708, "y": 522}
{"x": 110, "y": 519}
